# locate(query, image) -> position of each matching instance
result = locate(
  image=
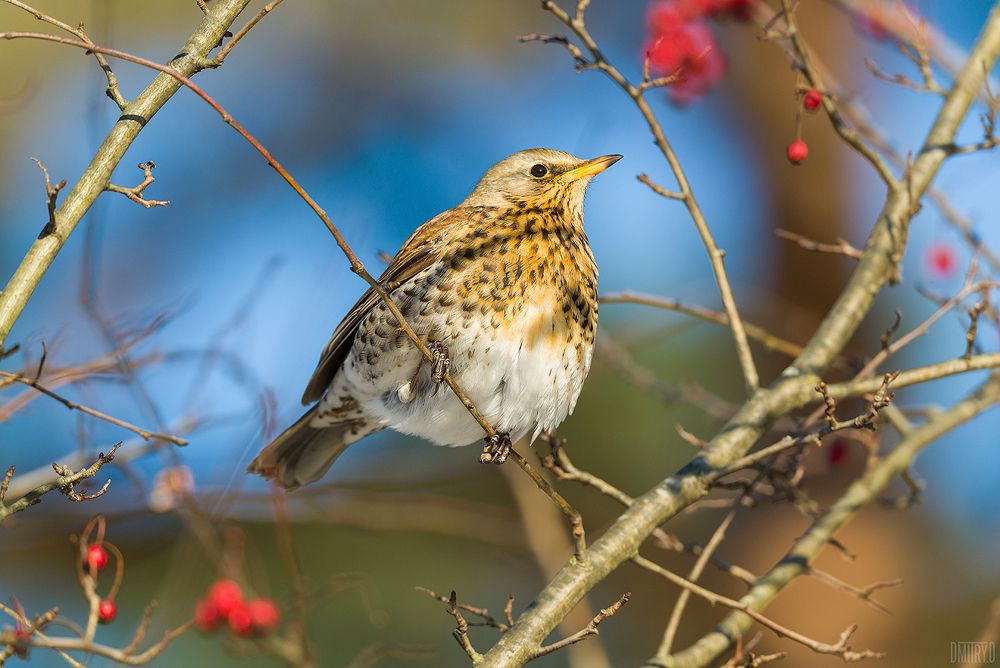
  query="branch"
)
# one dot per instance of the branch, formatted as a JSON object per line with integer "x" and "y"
{"x": 803, "y": 61}
{"x": 923, "y": 374}
{"x": 461, "y": 631}
{"x": 807, "y": 547}
{"x": 839, "y": 248}
{"x": 73, "y": 406}
{"x": 137, "y": 113}
{"x": 795, "y": 384}
{"x": 590, "y": 630}
{"x": 839, "y": 648}
{"x": 881, "y": 399}
{"x": 265, "y": 10}
{"x": 135, "y": 193}
{"x": 852, "y": 109}
{"x": 65, "y": 483}
{"x": 685, "y": 193}
{"x": 51, "y": 194}
{"x": 970, "y": 335}
{"x": 126, "y": 656}
{"x": 768, "y": 340}
{"x": 112, "y": 90}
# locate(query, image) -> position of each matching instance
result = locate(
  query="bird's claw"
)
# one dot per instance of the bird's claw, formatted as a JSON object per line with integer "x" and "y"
{"x": 496, "y": 449}
{"x": 441, "y": 362}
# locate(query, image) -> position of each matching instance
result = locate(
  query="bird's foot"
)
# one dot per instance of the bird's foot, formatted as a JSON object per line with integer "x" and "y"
{"x": 441, "y": 362}
{"x": 496, "y": 449}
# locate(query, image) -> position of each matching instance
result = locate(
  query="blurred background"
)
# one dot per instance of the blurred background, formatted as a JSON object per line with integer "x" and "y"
{"x": 388, "y": 112}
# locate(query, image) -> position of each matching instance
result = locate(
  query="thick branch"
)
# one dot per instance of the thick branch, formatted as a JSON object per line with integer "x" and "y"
{"x": 859, "y": 494}
{"x": 136, "y": 114}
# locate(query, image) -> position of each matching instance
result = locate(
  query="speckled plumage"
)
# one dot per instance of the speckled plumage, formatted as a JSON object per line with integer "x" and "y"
{"x": 506, "y": 282}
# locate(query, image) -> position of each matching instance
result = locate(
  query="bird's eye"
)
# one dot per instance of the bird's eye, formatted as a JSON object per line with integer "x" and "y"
{"x": 539, "y": 170}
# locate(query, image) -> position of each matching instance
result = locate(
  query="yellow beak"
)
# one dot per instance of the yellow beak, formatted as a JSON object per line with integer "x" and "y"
{"x": 592, "y": 167}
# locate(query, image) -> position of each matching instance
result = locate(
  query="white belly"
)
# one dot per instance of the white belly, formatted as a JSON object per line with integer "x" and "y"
{"x": 521, "y": 379}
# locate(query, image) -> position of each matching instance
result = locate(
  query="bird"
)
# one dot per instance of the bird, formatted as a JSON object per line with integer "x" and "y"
{"x": 502, "y": 288}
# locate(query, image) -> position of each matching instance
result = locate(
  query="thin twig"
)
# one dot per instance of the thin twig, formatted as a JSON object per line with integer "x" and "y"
{"x": 224, "y": 51}
{"x": 970, "y": 335}
{"x": 765, "y": 338}
{"x": 574, "y": 517}
{"x": 839, "y": 648}
{"x": 461, "y": 632}
{"x": 65, "y": 482}
{"x": 73, "y": 406}
{"x": 112, "y": 90}
{"x": 590, "y": 630}
{"x": 483, "y": 613}
{"x": 803, "y": 60}
{"x": 841, "y": 247}
{"x": 135, "y": 193}
{"x": 51, "y": 192}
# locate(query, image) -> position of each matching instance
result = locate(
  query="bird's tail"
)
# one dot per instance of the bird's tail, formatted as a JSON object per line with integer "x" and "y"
{"x": 303, "y": 454}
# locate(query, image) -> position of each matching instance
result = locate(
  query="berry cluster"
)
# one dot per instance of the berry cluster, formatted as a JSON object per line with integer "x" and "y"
{"x": 247, "y": 619}
{"x": 682, "y": 44}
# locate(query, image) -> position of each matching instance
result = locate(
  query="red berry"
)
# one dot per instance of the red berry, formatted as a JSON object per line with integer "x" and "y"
{"x": 812, "y": 100}
{"x": 264, "y": 615}
{"x": 107, "y": 610}
{"x": 941, "y": 260}
{"x": 797, "y": 151}
{"x": 240, "y": 620}
{"x": 226, "y": 595}
{"x": 206, "y": 616}
{"x": 838, "y": 452}
{"x": 96, "y": 558}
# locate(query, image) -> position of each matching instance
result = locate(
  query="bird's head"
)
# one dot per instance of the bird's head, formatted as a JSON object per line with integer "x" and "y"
{"x": 540, "y": 177}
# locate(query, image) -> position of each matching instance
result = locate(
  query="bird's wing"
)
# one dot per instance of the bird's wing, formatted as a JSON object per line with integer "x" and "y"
{"x": 421, "y": 250}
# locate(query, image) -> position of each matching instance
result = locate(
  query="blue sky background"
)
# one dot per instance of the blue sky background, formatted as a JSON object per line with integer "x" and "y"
{"x": 387, "y": 122}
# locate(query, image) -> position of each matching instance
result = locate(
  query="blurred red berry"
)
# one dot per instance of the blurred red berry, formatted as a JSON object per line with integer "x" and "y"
{"x": 664, "y": 18}
{"x": 264, "y": 615}
{"x": 107, "y": 610}
{"x": 240, "y": 620}
{"x": 941, "y": 260}
{"x": 812, "y": 100}
{"x": 838, "y": 452}
{"x": 206, "y": 616}
{"x": 797, "y": 151}
{"x": 691, "y": 10}
{"x": 738, "y": 9}
{"x": 226, "y": 596}
{"x": 96, "y": 558}
{"x": 871, "y": 24}
{"x": 690, "y": 53}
